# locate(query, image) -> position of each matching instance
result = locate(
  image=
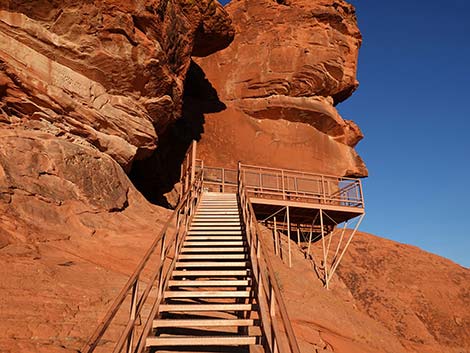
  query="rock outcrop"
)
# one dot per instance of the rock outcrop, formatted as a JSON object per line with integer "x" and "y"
{"x": 86, "y": 89}
{"x": 291, "y": 62}
{"x": 108, "y": 73}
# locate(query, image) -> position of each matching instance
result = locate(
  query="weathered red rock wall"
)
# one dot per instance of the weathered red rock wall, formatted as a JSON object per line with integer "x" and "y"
{"x": 86, "y": 88}
{"x": 290, "y": 63}
{"x": 109, "y": 73}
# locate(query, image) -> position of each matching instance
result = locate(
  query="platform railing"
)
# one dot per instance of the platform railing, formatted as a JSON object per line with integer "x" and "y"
{"x": 278, "y": 332}
{"x": 285, "y": 184}
{"x": 129, "y": 319}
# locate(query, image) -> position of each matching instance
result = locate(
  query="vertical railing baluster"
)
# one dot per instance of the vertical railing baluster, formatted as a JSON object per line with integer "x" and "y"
{"x": 132, "y": 316}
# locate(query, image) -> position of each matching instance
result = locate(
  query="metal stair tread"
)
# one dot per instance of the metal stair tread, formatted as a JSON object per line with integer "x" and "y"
{"x": 208, "y": 294}
{"x": 205, "y": 307}
{"x": 211, "y": 264}
{"x": 225, "y": 273}
{"x": 201, "y": 341}
{"x": 209, "y": 283}
{"x": 202, "y": 322}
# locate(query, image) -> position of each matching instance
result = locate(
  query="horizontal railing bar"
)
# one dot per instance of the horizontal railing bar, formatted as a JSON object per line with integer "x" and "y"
{"x": 246, "y": 167}
{"x": 116, "y": 306}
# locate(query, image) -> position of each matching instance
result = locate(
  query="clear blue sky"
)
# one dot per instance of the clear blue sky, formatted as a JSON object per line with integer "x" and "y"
{"x": 413, "y": 107}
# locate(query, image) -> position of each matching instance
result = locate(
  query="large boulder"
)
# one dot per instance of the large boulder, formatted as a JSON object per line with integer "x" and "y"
{"x": 291, "y": 62}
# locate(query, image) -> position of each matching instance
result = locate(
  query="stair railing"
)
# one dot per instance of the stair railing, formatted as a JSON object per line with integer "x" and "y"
{"x": 275, "y": 321}
{"x": 142, "y": 305}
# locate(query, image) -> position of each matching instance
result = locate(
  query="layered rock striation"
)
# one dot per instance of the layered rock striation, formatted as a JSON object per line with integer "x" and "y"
{"x": 291, "y": 62}
{"x": 107, "y": 73}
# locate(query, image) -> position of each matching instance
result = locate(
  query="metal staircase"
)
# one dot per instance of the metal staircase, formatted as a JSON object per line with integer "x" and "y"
{"x": 204, "y": 284}
{"x": 210, "y": 300}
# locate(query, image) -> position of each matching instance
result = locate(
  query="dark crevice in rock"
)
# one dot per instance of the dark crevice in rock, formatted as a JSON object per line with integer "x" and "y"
{"x": 158, "y": 174}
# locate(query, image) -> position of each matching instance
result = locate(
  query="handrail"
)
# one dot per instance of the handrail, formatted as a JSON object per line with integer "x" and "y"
{"x": 284, "y": 184}
{"x": 269, "y": 293}
{"x": 169, "y": 237}
{"x": 293, "y": 171}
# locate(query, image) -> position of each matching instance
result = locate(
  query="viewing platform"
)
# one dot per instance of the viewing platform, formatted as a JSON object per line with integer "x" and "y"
{"x": 272, "y": 190}
{"x": 306, "y": 207}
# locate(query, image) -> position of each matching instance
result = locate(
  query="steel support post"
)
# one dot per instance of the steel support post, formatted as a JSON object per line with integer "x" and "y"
{"x": 288, "y": 236}
{"x": 276, "y": 237}
{"x": 325, "y": 265}
{"x": 335, "y": 266}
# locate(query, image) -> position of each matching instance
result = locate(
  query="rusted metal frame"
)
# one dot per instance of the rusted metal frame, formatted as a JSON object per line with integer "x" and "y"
{"x": 280, "y": 303}
{"x": 254, "y": 261}
{"x": 276, "y": 237}
{"x": 260, "y": 285}
{"x": 361, "y": 193}
{"x": 340, "y": 242}
{"x": 311, "y": 232}
{"x": 293, "y": 171}
{"x": 305, "y": 195}
{"x": 193, "y": 161}
{"x": 263, "y": 301}
{"x": 336, "y": 264}
{"x": 325, "y": 265}
{"x": 288, "y": 236}
{"x": 272, "y": 280}
{"x": 164, "y": 280}
{"x": 116, "y": 306}
{"x": 274, "y": 214}
{"x": 135, "y": 294}
{"x": 330, "y": 238}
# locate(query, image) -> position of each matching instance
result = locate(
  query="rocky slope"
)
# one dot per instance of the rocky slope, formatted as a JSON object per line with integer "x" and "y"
{"x": 291, "y": 62}
{"x": 387, "y": 298}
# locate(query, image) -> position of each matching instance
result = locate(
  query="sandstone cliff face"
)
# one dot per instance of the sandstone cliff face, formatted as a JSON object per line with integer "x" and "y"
{"x": 108, "y": 73}
{"x": 290, "y": 63}
{"x": 86, "y": 88}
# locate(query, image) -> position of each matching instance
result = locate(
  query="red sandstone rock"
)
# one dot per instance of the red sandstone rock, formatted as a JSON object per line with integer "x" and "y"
{"x": 386, "y": 297}
{"x": 289, "y": 64}
{"x": 72, "y": 229}
{"x": 108, "y": 72}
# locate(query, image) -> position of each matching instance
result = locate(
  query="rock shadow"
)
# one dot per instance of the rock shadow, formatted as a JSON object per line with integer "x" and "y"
{"x": 157, "y": 175}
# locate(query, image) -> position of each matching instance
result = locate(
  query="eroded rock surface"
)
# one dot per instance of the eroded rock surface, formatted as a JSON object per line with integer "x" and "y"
{"x": 291, "y": 62}
{"x": 108, "y": 72}
{"x": 72, "y": 229}
{"x": 387, "y": 297}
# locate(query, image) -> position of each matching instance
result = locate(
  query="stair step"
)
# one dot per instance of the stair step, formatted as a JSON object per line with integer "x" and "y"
{"x": 203, "y": 323}
{"x": 214, "y": 249}
{"x": 208, "y": 294}
{"x": 209, "y": 232}
{"x": 214, "y": 237}
{"x": 213, "y": 257}
{"x": 209, "y": 273}
{"x": 198, "y": 227}
{"x": 213, "y": 243}
{"x": 212, "y": 264}
{"x": 219, "y": 218}
{"x": 201, "y": 341}
{"x": 217, "y": 211}
{"x": 210, "y": 283}
{"x": 205, "y": 307}
{"x": 215, "y": 224}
